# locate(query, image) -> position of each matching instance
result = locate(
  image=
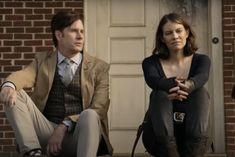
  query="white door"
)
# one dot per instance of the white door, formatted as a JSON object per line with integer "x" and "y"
{"x": 122, "y": 32}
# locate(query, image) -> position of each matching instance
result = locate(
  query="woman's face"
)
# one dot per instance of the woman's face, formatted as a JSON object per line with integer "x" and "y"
{"x": 174, "y": 36}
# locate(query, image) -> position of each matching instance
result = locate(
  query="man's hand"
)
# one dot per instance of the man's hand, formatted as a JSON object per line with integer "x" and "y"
{"x": 8, "y": 96}
{"x": 56, "y": 139}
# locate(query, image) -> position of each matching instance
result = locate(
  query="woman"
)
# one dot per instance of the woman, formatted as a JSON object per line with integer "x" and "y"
{"x": 176, "y": 75}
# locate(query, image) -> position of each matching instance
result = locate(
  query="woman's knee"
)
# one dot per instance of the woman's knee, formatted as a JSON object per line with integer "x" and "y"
{"x": 201, "y": 94}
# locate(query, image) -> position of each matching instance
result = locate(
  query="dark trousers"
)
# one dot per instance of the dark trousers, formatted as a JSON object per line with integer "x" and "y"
{"x": 161, "y": 134}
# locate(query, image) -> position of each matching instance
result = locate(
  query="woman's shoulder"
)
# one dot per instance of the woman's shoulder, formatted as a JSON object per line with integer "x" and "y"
{"x": 152, "y": 58}
{"x": 199, "y": 56}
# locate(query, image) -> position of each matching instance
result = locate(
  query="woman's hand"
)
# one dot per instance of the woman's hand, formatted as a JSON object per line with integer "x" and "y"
{"x": 177, "y": 94}
{"x": 185, "y": 85}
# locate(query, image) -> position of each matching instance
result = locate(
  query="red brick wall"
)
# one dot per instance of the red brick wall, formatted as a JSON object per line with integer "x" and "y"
{"x": 24, "y": 30}
{"x": 229, "y": 73}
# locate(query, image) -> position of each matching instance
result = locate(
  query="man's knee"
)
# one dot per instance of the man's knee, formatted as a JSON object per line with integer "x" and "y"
{"x": 88, "y": 116}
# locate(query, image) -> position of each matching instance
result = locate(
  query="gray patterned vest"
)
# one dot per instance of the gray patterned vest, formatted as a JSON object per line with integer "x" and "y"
{"x": 64, "y": 101}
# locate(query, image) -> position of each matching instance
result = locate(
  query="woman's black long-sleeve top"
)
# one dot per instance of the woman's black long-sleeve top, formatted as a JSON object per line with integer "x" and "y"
{"x": 156, "y": 78}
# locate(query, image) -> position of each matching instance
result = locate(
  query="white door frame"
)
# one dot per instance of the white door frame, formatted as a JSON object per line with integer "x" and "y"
{"x": 216, "y": 55}
{"x": 216, "y": 80}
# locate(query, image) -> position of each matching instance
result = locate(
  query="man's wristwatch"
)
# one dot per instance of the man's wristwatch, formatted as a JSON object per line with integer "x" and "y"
{"x": 68, "y": 123}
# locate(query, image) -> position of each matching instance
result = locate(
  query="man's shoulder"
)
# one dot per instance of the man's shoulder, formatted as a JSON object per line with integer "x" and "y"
{"x": 43, "y": 55}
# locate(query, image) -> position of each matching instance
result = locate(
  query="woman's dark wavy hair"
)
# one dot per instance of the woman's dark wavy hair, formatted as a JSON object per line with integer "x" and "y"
{"x": 161, "y": 48}
{"x": 61, "y": 20}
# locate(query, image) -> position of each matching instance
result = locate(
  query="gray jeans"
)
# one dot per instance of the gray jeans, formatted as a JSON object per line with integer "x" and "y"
{"x": 161, "y": 129}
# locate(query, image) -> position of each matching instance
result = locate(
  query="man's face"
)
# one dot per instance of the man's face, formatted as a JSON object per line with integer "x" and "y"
{"x": 71, "y": 39}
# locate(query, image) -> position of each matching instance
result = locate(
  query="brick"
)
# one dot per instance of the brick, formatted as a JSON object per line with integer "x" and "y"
{"x": 5, "y": 49}
{"x": 229, "y": 79}
{"x": 2, "y": 115}
{"x": 23, "y": 11}
{"x": 228, "y": 34}
{"x": 230, "y": 140}
{"x": 229, "y": 27}
{"x": 227, "y": 8}
{"x": 227, "y": 47}
{"x": 227, "y": 21}
{"x": 9, "y": 134}
{"x": 13, "y": 4}
{"x": 230, "y": 146}
{"x": 44, "y": 11}
{"x": 230, "y": 112}
{"x": 14, "y": 17}
{"x": 230, "y": 126}
{"x": 228, "y": 54}
{"x": 228, "y": 72}
{"x": 33, "y": 42}
{"x": 5, "y": 128}
{"x": 54, "y": 4}
{"x": 34, "y": 4}
{"x": 23, "y": 36}
{"x": 22, "y": 23}
{"x": 29, "y": 55}
{"x": 23, "y": 49}
{"x": 9, "y": 148}
{"x": 6, "y": 36}
{"x": 6, "y": 141}
{"x": 62, "y": 9}
{"x": 41, "y": 23}
{"x": 34, "y": 30}
{"x": 1, "y": 122}
{"x": 12, "y": 55}
{"x": 12, "y": 42}
{"x": 229, "y": 106}
{"x": 15, "y": 30}
{"x": 5, "y": 62}
{"x": 228, "y": 40}
{"x": 228, "y": 60}
{"x": 43, "y": 36}
{"x": 5, "y": 23}
{"x": 228, "y": 2}
{"x": 34, "y": 17}
{"x": 74, "y": 4}
{"x": 48, "y": 16}
{"x": 6, "y": 11}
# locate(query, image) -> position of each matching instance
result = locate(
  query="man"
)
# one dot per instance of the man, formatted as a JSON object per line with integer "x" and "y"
{"x": 66, "y": 114}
